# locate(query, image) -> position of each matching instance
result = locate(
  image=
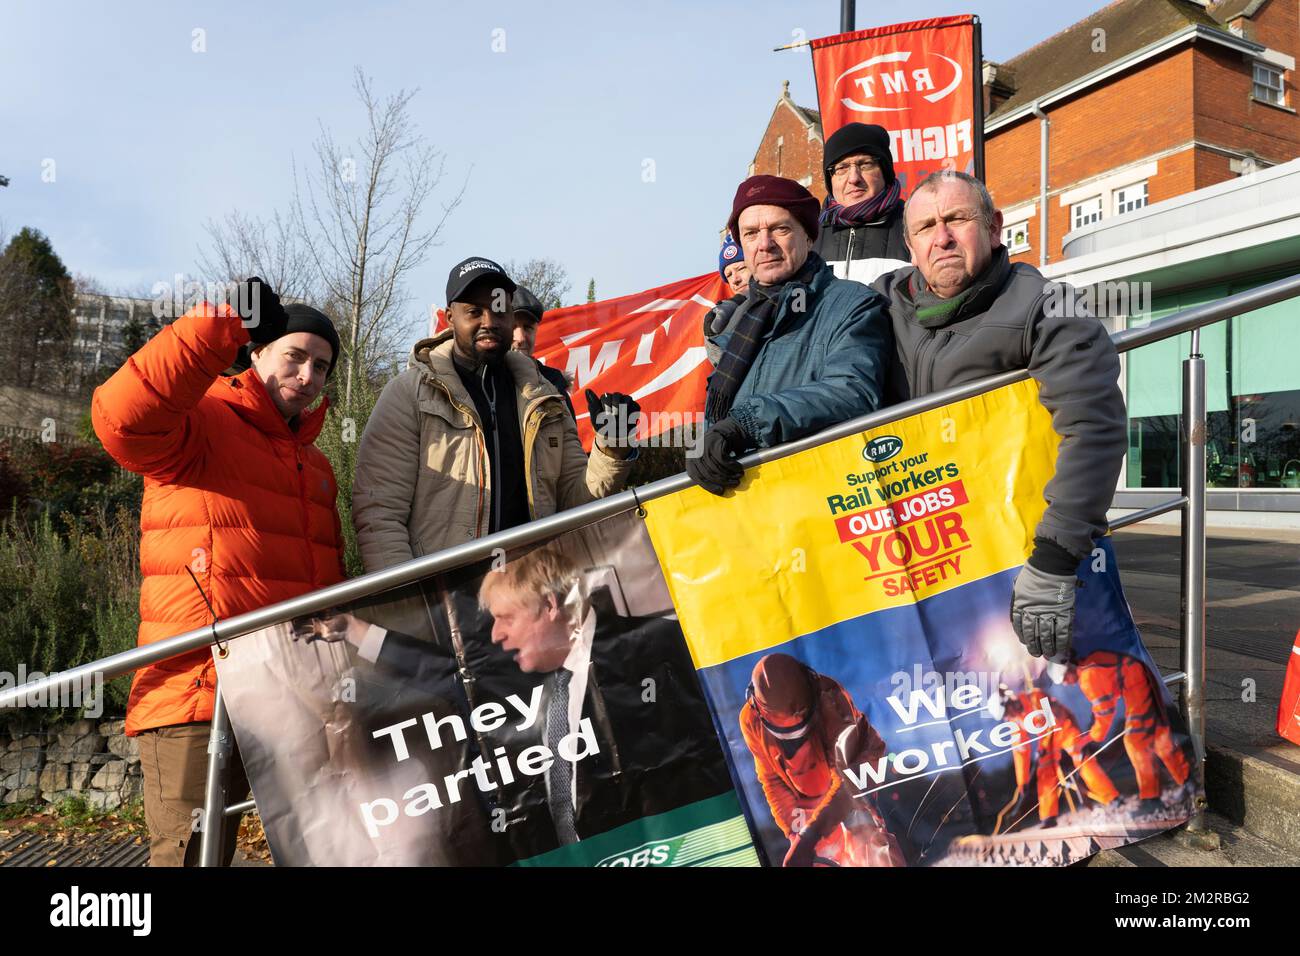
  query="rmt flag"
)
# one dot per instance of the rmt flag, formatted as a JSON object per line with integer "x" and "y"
{"x": 919, "y": 81}
{"x": 649, "y": 345}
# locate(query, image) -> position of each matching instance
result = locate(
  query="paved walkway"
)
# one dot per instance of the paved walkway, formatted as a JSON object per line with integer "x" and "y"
{"x": 1252, "y": 614}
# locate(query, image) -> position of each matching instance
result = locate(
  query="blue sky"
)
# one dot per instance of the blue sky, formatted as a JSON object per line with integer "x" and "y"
{"x": 150, "y": 139}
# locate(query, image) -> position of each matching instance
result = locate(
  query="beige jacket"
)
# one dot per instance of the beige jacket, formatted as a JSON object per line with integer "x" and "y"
{"x": 422, "y": 477}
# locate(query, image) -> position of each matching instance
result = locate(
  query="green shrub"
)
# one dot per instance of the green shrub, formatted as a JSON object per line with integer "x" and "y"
{"x": 74, "y": 809}
{"x": 56, "y": 478}
{"x": 12, "y": 811}
{"x": 69, "y": 595}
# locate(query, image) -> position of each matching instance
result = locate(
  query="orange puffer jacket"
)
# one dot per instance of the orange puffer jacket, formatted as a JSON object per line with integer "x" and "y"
{"x": 230, "y": 492}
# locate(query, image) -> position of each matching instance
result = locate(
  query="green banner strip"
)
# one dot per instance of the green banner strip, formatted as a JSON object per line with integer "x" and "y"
{"x": 709, "y": 833}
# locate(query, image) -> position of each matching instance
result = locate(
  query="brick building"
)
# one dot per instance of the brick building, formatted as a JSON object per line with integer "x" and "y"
{"x": 1142, "y": 101}
{"x": 792, "y": 145}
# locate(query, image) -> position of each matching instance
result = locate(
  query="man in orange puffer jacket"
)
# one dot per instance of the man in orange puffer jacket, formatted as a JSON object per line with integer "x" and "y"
{"x": 234, "y": 492}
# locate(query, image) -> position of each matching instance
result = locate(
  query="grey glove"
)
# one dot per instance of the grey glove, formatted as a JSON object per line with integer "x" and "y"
{"x": 716, "y": 319}
{"x": 1042, "y": 611}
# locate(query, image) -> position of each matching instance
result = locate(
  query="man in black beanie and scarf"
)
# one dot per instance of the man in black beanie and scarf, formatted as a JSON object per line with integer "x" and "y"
{"x": 801, "y": 351}
{"x": 862, "y": 218}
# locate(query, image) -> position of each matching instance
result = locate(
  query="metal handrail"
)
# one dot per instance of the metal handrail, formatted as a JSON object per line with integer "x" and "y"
{"x": 1173, "y": 504}
{"x": 449, "y": 558}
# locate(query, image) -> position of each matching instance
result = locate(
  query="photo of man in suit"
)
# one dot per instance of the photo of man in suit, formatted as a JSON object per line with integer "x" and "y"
{"x": 627, "y": 683}
{"x": 619, "y": 689}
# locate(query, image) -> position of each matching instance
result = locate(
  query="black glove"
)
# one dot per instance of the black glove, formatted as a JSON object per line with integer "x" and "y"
{"x": 614, "y": 416}
{"x": 260, "y": 311}
{"x": 714, "y": 467}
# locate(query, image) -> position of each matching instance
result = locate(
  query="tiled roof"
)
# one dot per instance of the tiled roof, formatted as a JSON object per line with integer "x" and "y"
{"x": 1231, "y": 9}
{"x": 1125, "y": 26}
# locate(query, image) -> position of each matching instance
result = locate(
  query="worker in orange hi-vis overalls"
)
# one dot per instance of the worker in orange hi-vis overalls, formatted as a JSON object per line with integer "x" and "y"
{"x": 796, "y": 722}
{"x": 1063, "y": 736}
{"x": 1105, "y": 678}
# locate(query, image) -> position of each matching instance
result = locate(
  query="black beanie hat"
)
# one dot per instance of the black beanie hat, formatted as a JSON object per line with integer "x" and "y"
{"x": 857, "y": 138}
{"x": 303, "y": 318}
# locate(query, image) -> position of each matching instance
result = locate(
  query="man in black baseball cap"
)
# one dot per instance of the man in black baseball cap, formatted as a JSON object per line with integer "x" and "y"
{"x": 479, "y": 310}
{"x": 471, "y": 439}
{"x": 474, "y": 269}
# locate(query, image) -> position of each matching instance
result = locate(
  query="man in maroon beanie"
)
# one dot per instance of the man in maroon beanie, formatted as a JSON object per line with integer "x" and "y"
{"x": 801, "y": 351}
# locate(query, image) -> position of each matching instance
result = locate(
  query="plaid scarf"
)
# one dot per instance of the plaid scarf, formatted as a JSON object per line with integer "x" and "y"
{"x": 752, "y": 323}
{"x": 862, "y": 213}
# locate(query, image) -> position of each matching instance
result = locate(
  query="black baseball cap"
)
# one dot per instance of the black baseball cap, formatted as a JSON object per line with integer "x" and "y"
{"x": 525, "y": 301}
{"x": 468, "y": 271}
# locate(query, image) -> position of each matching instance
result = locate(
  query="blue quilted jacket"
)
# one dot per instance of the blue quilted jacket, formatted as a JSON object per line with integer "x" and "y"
{"x": 823, "y": 360}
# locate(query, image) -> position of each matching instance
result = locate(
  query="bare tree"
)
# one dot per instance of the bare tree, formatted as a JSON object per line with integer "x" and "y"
{"x": 358, "y": 211}
{"x": 273, "y": 249}
{"x": 544, "y": 278}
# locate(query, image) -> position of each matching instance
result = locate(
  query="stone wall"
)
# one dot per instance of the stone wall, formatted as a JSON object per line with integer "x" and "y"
{"x": 86, "y": 758}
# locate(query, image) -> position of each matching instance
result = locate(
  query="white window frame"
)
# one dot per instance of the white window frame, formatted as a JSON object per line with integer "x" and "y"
{"x": 1123, "y": 198}
{"x": 1266, "y": 91}
{"x": 1008, "y": 237}
{"x": 1079, "y": 218}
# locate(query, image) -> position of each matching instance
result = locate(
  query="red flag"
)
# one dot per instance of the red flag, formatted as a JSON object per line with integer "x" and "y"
{"x": 649, "y": 345}
{"x": 917, "y": 80}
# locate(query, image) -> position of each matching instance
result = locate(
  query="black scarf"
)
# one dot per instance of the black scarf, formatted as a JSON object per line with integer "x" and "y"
{"x": 933, "y": 312}
{"x": 747, "y": 337}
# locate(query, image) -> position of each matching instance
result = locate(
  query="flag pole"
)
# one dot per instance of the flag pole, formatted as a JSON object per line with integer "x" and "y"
{"x": 978, "y": 80}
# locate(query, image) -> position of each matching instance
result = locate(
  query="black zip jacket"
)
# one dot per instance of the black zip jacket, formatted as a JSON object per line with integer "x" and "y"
{"x": 864, "y": 253}
{"x": 493, "y": 391}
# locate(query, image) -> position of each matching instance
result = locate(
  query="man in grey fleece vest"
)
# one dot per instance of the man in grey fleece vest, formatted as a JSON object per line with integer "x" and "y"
{"x": 962, "y": 312}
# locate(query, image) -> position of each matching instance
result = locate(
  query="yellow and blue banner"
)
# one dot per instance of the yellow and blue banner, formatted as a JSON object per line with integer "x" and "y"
{"x": 848, "y": 609}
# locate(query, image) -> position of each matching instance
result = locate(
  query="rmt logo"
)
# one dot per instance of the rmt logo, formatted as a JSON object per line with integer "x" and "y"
{"x": 883, "y": 448}
{"x": 884, "y": 83}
